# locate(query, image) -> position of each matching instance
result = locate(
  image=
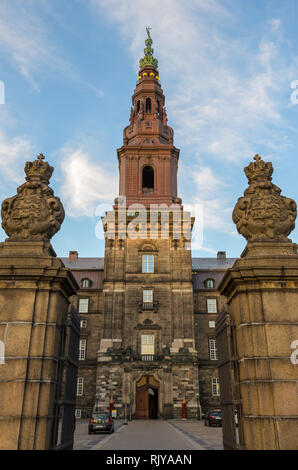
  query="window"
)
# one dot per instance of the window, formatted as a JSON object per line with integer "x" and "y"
{"x": 215, "y": 386}
{"x": 78, "y": 413}
{"x": 138, "y": 107}
{"x": 83, "y": 323}
{"x": 80, "y": 386}
{"x": 211, "y": 306}
{"x": 82, "y": 349}
{"x": 212, "y": 350}
{"x": 147, "y": 263}
{"x": 209, "y": 283}
{"x": 83, "y": 305}
{"x": 147, "y": 344}
{"x": 147, "y": 296}
{"x": 148, "y": 178}
{"x": 86, "y": 283}
{"x": 212, "y": 324}
{"x": 148, "y": 105}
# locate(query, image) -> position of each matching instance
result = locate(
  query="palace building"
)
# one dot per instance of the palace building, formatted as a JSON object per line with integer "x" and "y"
{"x": 148, "y": 309}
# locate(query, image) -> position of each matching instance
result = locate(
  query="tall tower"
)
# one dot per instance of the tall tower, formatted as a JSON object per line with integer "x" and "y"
{"x": 148, "y": 160}
{"x": 147, "y": 361}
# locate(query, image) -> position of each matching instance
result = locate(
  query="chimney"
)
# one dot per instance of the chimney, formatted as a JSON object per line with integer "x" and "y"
{"x": 221, "y": 255}
{"x": 73, "y": 255}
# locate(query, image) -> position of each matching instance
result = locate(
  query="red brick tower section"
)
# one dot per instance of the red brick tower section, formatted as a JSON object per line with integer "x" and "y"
{"x": 148, "y": 160}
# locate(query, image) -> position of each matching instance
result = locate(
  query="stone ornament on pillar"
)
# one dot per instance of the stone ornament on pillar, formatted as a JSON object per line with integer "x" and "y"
{"x": 263, "y": 214}
{"x": 34, "y": 214}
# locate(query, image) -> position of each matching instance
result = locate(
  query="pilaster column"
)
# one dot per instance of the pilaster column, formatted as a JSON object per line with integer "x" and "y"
{"x": 35, "y": 288}
{"x": 262, "y": 294}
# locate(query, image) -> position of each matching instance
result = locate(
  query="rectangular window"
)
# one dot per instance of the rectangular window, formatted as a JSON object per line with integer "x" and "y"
{"x": 147, "y": 296}
{"x": 83, "y": 323}
{"x": 215, "y": 386}
{"x": 78, "y": 413}
{"x": 212, "y": 324}
{"x": 80, "y": 386}
{"x": 212, "y": 350}
{"x": 147, "y": 346}
{"x": 82, "y": 349}
{"x": 211, "y": 306}
{"x": 148, "y": 264}
{"x": 83, "y": 305}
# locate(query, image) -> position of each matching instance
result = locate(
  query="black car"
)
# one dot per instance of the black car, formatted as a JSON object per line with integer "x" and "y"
{"x": 101, "y": 422}
{"x": 213, "y": 418}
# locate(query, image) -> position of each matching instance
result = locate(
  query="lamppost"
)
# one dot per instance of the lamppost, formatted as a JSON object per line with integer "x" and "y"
{"x": 125, "y": 414}
{"x": 199, "y": 414}
{"x": 96, "y": 401}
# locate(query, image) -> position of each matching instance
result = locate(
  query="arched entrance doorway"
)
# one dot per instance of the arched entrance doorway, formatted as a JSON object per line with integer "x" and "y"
{"x": 147, "y": 398}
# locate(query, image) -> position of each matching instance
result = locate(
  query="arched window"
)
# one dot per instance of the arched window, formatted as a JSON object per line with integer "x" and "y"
{"x": 86, "y": 283}
{"x": 158, "y": 107}
{"x": 138, "y": 107}
{"x": 148, "y": 105}
{"x": 148, "y": 179}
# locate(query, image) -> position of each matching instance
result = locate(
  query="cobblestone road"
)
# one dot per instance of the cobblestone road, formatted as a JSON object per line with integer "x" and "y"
{"x": 151, "y": 435}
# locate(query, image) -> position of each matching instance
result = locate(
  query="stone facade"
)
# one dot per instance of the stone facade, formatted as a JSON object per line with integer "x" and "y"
{"x": 98, "y": 383}
{"x": 177, "y": 319}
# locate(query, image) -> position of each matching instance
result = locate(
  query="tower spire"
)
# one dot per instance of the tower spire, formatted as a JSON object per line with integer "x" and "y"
{"x": 148, "y": 58}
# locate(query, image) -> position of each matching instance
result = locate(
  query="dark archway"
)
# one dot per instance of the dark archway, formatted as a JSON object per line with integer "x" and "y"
{"x": 148, "y": 178}
{"x": 148, "y": 105}
{"x": 147, "y": 398}
{"x": 138, "y": 107}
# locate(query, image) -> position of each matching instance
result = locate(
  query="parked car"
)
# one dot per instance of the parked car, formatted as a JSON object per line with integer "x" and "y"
{"x": 101, "y": 422}
{"x": 213, "y": 418}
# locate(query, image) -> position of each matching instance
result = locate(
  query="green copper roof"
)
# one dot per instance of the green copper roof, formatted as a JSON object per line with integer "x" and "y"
{"x": 148, "y": 59}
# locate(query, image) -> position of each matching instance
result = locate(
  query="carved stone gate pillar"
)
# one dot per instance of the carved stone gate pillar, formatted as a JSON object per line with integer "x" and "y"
{"x": 34, "y": 291}
{"x": 262, "y": 293}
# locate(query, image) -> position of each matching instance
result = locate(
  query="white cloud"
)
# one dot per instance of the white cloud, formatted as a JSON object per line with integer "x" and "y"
{"x": 85, "y": 184}
{"x": 210, "y": 201}
{"x": 28, "y": 42}
{"x": 23, "y": 38}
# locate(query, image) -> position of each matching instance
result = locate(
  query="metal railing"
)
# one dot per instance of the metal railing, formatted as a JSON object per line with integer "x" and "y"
{"x": 147, "y": 357}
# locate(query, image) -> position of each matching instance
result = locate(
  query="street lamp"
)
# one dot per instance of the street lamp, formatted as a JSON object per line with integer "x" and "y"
{"x": 125, "y": 414}
{"x": 97, "y": 395}
{"x": 199, "y": 414}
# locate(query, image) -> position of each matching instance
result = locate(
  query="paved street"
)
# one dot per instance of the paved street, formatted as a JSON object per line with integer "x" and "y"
{"x": 151, "y": 435}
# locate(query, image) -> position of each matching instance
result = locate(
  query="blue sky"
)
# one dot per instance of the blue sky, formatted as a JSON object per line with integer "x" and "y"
{"x": 69, "y": 68}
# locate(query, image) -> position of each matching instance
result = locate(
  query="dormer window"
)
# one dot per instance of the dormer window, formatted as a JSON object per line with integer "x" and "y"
{"x": 210, "y": 283}
{"x": 86, "y": 283}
